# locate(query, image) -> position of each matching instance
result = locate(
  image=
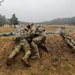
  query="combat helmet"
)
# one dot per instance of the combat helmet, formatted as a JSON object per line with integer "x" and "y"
{"x": 40, "y": 28}
{"x": 63, "y": 27}
{"x": 30, "y": 25}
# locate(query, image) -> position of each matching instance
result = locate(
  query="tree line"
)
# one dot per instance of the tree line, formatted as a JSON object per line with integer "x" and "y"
{"x": 69, "y": 21}
{"x": 12, "y": 21}
{"x": 3, "y": 20}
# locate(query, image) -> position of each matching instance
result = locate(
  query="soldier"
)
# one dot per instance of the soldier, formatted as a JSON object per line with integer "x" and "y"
{"x": 64, "y": 32}
{"x": 21, "y": 36}
{"x": 39, "y": 37}
{"x": 70, "y": 42}
{"x": 68, "y": 39}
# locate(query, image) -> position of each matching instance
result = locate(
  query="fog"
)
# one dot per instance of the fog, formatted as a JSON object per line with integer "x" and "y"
{"x": 38, "y": 10}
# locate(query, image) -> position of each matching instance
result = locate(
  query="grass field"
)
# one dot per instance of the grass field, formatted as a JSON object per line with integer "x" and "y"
{"x": 47, "y": 28}
{"x": 55, "y": 27}
{"x": 6, "y": 29}
{"x": 58, "y": 61}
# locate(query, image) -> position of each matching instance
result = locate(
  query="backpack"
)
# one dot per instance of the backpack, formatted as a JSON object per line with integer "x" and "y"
{"x": 20, "y": 32}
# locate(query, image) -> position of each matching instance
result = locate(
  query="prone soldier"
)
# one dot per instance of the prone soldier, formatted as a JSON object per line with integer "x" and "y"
{"x": 68, "y": 39}
{"x": 21, "y": 36}
{"x": 39, "y": 37}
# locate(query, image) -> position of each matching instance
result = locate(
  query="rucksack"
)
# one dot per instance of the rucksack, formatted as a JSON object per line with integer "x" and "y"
{"x": 20, "y": 33}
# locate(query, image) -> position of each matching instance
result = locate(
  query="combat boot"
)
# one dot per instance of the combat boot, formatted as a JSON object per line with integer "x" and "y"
{"x": 9, "y": 61}
{"x": 25, "y": 61}
{"x": 35, "y": 57}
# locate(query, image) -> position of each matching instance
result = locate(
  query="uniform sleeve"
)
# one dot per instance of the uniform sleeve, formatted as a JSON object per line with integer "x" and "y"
{"x": 33, "y": 30}
{"x": 43, "y": 34}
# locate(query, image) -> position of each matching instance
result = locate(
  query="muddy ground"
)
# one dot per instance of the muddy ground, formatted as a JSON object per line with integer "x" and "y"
{"x": 58, "y": 61}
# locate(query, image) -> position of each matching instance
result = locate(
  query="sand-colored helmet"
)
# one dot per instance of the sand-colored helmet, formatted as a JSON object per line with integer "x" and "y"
{"x": 63, "y": 27}
{"x": 30, "y": 25}
{"x": 40, "y": 28}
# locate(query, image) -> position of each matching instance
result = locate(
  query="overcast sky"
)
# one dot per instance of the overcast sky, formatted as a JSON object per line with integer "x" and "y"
{"x": 38, "y": 10}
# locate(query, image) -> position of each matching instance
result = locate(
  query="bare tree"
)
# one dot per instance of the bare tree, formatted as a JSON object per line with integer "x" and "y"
{"x": 1, "y": 2}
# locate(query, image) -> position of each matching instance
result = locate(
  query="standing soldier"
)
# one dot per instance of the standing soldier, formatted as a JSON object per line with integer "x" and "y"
{"x": 21, "y": 36}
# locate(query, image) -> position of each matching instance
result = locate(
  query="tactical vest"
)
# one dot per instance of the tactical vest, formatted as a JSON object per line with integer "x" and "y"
{"x": 21, "y": 32}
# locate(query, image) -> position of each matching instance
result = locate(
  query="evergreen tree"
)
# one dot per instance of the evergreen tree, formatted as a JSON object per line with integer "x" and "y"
{"x": 73, "y": 20}
{"x": 3, "y": 20}
{"x": 14, "y": 20}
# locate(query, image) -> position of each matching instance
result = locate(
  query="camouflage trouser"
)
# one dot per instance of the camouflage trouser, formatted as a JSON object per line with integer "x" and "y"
{"x": 70, "y": 42}
{"x": 35, "y": 43}
{"x": 73, "y": 42}
{"x": 26, "y": 47}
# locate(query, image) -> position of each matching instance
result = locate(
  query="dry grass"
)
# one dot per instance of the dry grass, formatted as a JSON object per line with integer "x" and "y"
{"x": 6, "y": 29}
{"x": 55, "y": 27}
{"x": 47, "y": 27}
{"x": 59, "y": 60}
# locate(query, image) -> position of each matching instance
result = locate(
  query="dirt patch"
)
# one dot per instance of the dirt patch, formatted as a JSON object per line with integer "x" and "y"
{"x": 59, "y": 60}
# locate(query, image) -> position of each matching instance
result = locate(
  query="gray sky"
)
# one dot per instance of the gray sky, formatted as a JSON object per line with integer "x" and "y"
{"x": 38, "y": 10}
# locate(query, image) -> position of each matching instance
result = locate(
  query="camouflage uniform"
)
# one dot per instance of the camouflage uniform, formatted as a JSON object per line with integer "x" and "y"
{"x": 21, "y": 36}
{"x": 64, "y": 32}
{"x": 68, "y": 39}
{"x": 39, "y": 36}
